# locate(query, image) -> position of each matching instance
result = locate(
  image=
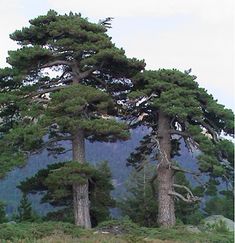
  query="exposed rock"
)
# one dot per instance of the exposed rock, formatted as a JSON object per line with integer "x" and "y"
{"x": 113, "y": 229}
{"x": 192, "y": 229}
{"x": 11, "y": 222}
{"x": 216, "y": 219}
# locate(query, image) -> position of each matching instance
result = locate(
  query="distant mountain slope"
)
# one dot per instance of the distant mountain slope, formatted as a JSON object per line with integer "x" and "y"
{"x": 115, "y": 153}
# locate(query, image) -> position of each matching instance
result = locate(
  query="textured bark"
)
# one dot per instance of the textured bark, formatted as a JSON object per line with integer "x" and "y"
{"x": 80, "y": 192}
{"x": 165, "y": 178}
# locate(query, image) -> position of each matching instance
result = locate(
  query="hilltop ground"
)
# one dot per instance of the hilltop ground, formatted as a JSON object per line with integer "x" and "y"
{"x": 108, "y": 232}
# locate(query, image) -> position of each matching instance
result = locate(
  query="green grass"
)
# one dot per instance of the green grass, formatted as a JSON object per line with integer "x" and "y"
{"x": 122, "y": 231}
{"x": 14, "y": 232}
{"x": 177, "y": 233}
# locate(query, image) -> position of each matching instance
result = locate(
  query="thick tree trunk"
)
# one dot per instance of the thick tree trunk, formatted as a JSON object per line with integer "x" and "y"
{"x": 80, "y": 192}
{"x": 165, "y": 178}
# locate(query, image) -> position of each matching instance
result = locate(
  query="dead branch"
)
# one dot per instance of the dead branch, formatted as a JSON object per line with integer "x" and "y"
{"x": 210, "y": 130}
{"x": 45, "y": 91}
{"x": 56, "y": 63}
{"x": 176, "y": 168}
{"x": 187, "y": 199}
{"x": 181, "y": 133}
{"x": 184, "y": 187}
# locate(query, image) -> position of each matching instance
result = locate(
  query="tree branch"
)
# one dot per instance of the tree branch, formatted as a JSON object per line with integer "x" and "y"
{"x": 47, "y": 91}
{"x": 56, "y": 63}
{"x": 51, "y": 141}
{"x": 87, "y": 73}
{"x": 189, "y": 197}
{"x": 181, "y": 133}
{"x": 176, "y": 168}
{"x": 183, "y": 187}
{"x": 210, "y": 130}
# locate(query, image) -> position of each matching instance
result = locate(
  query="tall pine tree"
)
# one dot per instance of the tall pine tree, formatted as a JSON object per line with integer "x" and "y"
{"x": 62, "y": 54}
{"x": 174, "y": 107}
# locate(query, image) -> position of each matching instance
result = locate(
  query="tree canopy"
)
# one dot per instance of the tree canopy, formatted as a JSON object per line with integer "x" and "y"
{"x": 56, "y": 183}
{"x": 195, "y": 116}
{"x": 57, "y": 51}
{"x": 176, "y": 109}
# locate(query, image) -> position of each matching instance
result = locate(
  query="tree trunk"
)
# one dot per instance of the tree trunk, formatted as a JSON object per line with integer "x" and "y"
{"x": 165, "y": 178}
{"x": 80, "y": 192}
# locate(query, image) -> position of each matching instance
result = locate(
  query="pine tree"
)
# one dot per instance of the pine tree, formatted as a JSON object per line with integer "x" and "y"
{"x": 174, "y": 107}
{"x": 140, "y": 205}
{"x": 3, "y": 217}
{"x": 62, "y": 105}
{"x": 221, "y": 204}
{"x": 139, "y": 201}
{"x": 56, "y": 183}
{"x": 25, "y": 212}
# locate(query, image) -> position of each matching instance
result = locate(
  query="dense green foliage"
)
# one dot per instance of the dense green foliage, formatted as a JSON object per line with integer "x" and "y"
{"x": 74, "y": 51}
{"x": 25, "y": 212}
{"x": 80, "y": 106}
{"x": 128, "y": 232}
{"x": 139, "y": 234}
{"x": 57, "y": 182}
{"x": 3, "y": 217}
{"x": 221, "y": 205}
{"x": 140, "y": 201}
{"x": 31, "y": 231}
{"x": 64, "y": 82}
{"x": 194, "y": 115}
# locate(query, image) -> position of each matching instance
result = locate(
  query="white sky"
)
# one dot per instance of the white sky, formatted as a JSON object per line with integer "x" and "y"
{"x": 182, "y": 34}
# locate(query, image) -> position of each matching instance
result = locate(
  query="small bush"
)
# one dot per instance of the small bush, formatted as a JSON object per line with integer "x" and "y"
{"x": 37, "y": 230}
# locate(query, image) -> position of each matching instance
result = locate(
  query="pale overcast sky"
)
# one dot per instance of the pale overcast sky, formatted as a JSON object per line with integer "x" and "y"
{"x": 182, "y": 34}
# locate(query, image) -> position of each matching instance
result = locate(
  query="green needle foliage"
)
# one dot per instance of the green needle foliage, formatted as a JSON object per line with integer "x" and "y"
{"x": 3, "y": 217}
{"x": 176, "y": 109}
{"x": 56, "y": 52}
{"x": 139, "y": 203}
{"x": 57, "y": 182}
{"x": 195, "y": 116}
{"x": 221, "y": 205}
{"x": 71, "y": 44}
{"x": 25, "y": 212}
{"x": 80, "y": 106}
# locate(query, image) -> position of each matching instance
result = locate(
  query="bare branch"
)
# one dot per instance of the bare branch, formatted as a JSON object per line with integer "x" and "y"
{"x": 87, "y": 73}
{"x": 56, "y": 63}
{"x": 188, "y": 145}
{"x": 181, "y": 133}
{"x": 187, "y": 199}
{"x": 176, "y": 168}
{"x": 41, "y": 100}
{"x": 183, "y": 187}
{"x": 210, "y": 130}
{"x": 45, "y": 91}
{"x": 62, "y": 81}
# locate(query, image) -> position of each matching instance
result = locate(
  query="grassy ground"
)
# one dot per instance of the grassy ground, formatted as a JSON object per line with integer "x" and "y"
{"x": 108, "y": 232}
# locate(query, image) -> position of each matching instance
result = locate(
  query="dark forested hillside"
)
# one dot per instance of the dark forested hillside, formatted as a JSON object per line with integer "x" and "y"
{"x": 115, "y": 153}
